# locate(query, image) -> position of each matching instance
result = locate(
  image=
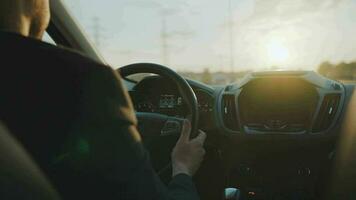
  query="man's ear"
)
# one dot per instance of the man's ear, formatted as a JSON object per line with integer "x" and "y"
{"x": 39, "y": 13}
{"x": 37, "y": 29}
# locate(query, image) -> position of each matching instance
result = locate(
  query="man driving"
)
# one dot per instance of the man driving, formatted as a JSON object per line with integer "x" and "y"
{"x": 75, "y": 118}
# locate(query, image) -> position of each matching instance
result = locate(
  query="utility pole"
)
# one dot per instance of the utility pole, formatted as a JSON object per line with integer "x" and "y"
{"x": 164, "y": 38}
{"x": 231, "y": 38}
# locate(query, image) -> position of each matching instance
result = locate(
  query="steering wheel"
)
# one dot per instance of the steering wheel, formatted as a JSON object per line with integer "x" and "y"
{"x": 155, "y": 123}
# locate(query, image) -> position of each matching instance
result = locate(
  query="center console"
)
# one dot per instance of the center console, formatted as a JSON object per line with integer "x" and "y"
{"x": 280, "y": 130}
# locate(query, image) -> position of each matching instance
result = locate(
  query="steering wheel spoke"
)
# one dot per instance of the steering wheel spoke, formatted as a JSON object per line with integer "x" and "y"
{"x": 154, "y": 124}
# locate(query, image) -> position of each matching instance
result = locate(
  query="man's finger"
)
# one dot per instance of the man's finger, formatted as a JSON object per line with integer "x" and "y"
{"x": 186, "y": 129}
{"x": 200, "y": 138}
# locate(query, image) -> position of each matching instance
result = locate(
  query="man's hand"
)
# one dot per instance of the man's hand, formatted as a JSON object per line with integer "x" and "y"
{"x": 188, "y": 154}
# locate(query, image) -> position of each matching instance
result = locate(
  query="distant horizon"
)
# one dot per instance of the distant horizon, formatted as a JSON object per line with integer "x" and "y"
{"x": 194, "y": 35}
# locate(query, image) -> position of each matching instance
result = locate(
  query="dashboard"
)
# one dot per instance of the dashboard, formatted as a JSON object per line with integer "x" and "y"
{"x": 262, "y": 103}
{"x": 282, "y": 124}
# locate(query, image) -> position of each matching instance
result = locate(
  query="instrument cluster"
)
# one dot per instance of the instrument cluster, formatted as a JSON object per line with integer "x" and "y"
{"x": 158, "y": 95}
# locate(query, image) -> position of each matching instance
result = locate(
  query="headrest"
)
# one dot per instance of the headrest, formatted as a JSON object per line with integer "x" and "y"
{"x": 20, "y": 178}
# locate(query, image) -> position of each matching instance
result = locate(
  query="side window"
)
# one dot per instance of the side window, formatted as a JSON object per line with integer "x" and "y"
{"x": 47, "y": 38}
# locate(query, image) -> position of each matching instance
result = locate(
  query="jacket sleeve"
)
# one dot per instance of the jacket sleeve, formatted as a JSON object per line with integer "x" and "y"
{"x": 106, "y": 151}
{"x": 182, "y": 187}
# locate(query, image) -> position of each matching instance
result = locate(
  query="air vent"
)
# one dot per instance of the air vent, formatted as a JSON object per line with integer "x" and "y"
{"x": 229, "y": 87}
{"x": 229, "y": 112}
{"x": 327, "y": 112}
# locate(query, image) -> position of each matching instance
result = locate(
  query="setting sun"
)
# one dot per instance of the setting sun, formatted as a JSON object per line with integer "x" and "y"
{"x": 277, "y": 52}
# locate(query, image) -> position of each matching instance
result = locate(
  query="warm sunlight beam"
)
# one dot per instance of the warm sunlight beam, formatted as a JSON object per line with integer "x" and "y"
{"x": 278, "y": 54}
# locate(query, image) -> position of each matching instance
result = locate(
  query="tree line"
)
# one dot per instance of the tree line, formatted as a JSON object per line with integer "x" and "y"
{"x": 341, "y": 71}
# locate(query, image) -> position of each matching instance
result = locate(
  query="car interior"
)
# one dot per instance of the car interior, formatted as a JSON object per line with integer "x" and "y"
{"x": 275, "y": 134}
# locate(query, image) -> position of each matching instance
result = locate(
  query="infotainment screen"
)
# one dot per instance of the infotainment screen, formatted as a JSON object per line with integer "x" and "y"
{"x": 277, "y": 103}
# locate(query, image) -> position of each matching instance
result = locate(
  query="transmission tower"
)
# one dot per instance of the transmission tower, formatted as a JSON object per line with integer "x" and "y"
{"x": 164, "y": 41}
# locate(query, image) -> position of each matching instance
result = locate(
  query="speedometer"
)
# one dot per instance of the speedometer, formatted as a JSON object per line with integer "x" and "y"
{"x": 167, "y": 101}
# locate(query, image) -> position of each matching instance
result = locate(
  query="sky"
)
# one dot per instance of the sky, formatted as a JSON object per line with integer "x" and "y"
{"x": 192, "y": 35}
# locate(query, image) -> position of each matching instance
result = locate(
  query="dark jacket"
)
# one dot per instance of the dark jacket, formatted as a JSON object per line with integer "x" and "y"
{"x": 76, "y": 119}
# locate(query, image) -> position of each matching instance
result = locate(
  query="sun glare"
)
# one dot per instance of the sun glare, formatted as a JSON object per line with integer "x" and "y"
{"x": 277, "y": 53}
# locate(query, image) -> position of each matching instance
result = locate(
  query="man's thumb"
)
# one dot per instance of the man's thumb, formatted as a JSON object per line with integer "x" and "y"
{"x": 186, "y": 129}
{"x": 200, "y": 138}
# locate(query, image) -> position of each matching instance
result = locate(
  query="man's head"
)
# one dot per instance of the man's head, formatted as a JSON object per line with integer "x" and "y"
{"x": 26, "y": 17}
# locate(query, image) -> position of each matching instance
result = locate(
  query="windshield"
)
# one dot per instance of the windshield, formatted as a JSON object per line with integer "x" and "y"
{"x": 219, "y": 41}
